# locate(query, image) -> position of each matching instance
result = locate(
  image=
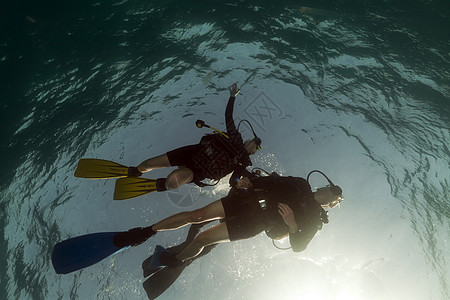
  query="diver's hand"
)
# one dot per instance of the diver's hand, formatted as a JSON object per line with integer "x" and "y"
{"x": 288, "y": 216}
{"x": 234, "y": 90}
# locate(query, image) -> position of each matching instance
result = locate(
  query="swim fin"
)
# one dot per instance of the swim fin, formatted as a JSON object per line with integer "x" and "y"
{"x": 83, "y": 251}
{"x": 162, "y": 278}
{"x": 155, "y": 262}
{"x": 131, "y": 187}
{"x": 158, "y": 283}
{"x": 100, "y": 169}
{"x": 193, "y": 231}
{"x": 147, "y": 271}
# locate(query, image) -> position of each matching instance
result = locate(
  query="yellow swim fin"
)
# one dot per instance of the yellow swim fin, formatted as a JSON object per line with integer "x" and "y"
{"x": 100, "y": 169}
{"x": 131, "y": 187}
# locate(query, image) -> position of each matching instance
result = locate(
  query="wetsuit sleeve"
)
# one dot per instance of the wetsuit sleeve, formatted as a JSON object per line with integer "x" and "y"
{"x": 301, "y": 238}
{"x": 235, "y": 138}
{"x": 231, "y": 127}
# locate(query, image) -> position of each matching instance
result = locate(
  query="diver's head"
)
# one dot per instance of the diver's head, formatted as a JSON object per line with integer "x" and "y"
{"x": 253, "y": 145}
{"x": 329, "y": 196}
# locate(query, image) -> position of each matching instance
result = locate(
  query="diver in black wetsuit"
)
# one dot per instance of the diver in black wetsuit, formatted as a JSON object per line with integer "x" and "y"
{"x": 243, "y": 219}
{"x": 278, "y": 205}
{"x": 214, "y": 157}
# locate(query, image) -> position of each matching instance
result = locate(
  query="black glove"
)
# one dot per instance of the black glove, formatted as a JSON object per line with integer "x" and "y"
{"x": 134, "y": 172}
{"x": 133, "y": 237}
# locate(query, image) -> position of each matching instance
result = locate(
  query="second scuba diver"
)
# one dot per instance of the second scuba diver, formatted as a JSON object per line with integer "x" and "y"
{"x": 278, "y": 205}
{"x": 216, "y": 156}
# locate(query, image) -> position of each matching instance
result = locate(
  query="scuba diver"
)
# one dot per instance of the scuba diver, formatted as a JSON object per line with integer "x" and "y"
{"x": 278, "y": 205}
{"x": 214, "y": 157}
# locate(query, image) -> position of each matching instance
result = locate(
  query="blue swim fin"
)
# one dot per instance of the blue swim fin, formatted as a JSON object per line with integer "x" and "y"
{"x": 83, "y": 251}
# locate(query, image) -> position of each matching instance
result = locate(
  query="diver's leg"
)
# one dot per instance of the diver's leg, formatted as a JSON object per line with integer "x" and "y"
{"x": 213, "y": 211}
{"x": 157, "y": 162}
{"x": 179, "y": 177}
{"x": 214, "y": 235}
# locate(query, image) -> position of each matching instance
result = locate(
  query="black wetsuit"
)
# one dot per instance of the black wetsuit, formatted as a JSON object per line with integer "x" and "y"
{"x": 249, "y": 212}
{"x": 215, "y": 156}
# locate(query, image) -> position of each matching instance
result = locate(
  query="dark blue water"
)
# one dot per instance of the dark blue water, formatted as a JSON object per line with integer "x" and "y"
{"x": 360, "y": 90}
